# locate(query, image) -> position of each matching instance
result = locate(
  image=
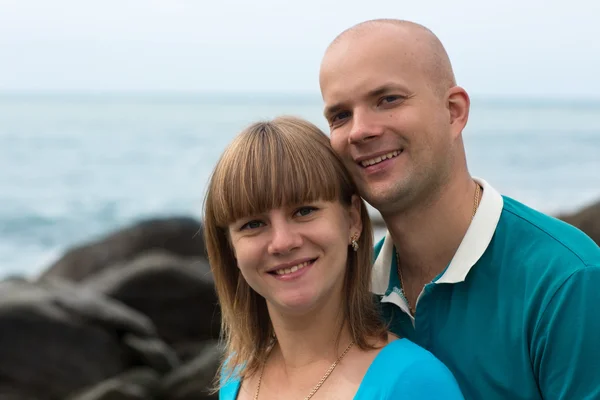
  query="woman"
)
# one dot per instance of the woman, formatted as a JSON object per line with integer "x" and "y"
{"x": 289, "y": 242}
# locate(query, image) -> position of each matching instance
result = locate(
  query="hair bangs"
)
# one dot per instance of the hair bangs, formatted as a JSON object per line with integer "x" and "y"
{"x": 270, "y": 167}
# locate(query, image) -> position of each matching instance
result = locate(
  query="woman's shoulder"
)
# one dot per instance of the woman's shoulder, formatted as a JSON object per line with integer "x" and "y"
{"x": 405, "y": 355}
{"x": 229, "y": 388}
{"x": 404, "y": 367}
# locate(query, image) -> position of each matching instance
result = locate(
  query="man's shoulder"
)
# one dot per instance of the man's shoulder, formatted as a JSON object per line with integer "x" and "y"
{"x": 537, "y": 254}
{"x": 535, "y": 236}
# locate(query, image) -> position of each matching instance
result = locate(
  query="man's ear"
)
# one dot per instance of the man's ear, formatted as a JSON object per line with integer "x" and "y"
{"x": 459, "y": 105}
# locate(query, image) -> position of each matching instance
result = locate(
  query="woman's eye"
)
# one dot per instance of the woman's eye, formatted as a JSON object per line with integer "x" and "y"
{"x": 304, "y": 211}
{"x": 251, "y": 225}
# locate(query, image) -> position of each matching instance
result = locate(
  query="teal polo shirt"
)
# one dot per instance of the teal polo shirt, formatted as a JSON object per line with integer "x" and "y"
{"x": 516, "y": 313}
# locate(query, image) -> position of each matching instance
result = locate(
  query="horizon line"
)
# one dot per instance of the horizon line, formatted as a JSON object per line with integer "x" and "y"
{"x": 294, "y": 95}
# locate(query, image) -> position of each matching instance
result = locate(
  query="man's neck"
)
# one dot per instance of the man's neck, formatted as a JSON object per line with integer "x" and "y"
{"x": 427, "y": 237}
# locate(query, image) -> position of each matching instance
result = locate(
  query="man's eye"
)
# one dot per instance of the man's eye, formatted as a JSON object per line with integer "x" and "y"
{"x": 390, "y": 99}
{"x": 339, "y": 116}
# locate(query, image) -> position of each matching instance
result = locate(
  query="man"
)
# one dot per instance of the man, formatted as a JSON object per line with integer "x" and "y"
{"x": 505, "y": 296}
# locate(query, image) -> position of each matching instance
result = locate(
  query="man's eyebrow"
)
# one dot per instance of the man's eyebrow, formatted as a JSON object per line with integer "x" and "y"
{"x": 378, "y": 91}
{"x": 386, "y": 88}
{"x": 332, "y": 109}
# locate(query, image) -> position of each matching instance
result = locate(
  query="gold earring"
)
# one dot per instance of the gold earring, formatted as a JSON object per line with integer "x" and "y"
{"x": 353, "y": 242}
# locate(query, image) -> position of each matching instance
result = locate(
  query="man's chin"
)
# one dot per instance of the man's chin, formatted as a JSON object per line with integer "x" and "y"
{"x": 384, "y": 198}
{"x": 380, "y": 200}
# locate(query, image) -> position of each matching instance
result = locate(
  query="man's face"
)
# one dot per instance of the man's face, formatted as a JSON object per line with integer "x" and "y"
{"x": 387, "y": 122}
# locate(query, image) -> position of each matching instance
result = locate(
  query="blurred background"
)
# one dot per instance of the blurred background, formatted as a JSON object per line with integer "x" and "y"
{"x": 113, "y": 114}
{"x": 117, "y": 110}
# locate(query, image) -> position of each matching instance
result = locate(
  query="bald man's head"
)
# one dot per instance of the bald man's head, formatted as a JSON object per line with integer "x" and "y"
{"x": 395, "y": 113}
{"x": 418, "y": 43}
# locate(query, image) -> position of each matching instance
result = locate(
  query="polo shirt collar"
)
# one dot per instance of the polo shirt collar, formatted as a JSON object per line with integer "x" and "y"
{"x": 476, "y": 240}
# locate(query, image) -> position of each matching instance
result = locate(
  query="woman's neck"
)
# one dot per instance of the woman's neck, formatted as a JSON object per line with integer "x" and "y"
{"x": 305, "y": 339}
{"x": 305, "y": 350}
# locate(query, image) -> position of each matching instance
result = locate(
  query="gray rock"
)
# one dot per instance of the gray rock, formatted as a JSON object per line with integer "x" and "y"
{"x": 152, "y": 352}
{"x": 96, "y": 308}
{"x": 181, "y": 236}
{"x": 56, "y": 339}
{"x": 136, "y": 384}
{"x": 189, "y": 350}
{"x": 192, "y": 380}
{"x": 48, "y": 351}
{"x": 177, "y": 294}
{"x": 8, "y": 392}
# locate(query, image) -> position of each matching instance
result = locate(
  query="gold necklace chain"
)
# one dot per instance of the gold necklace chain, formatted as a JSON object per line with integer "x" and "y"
{"x": 321, "y": 382}
{"x": 476, "y": 201}
{"x": 475, "y": 206}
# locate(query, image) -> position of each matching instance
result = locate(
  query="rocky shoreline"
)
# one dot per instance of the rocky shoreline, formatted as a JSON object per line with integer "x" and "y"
{"x": 130, "y": 316}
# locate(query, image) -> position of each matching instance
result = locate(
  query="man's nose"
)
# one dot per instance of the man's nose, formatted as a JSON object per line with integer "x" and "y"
{"x": 365, "y": 126}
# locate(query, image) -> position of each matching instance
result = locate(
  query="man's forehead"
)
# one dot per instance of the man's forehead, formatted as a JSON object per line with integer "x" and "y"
{"x": 355, "y": 77}
{"x": 396, "y": 37}
{"x": 400, "y": 51}
{"x": 371, "y": 53}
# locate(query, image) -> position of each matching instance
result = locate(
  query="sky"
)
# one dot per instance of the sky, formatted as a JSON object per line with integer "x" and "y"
{"x": 513, "y": 48}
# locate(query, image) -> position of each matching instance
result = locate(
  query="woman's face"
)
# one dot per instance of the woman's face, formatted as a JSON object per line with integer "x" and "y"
{"x": 296, "y": 257}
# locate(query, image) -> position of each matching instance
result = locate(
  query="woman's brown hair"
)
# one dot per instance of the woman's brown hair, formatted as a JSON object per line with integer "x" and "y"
{"x": 283, "y": 162}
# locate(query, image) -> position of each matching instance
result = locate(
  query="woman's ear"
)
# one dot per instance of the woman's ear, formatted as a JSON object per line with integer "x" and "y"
{"x": 355, "y": 220}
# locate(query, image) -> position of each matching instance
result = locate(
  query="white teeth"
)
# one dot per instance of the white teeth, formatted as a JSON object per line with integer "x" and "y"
{"x": 379, "y": 159}
{"x": 285, "y": 271}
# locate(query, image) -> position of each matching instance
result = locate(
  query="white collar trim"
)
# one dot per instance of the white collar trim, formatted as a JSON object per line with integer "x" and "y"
{"x": 472, "y": 247}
